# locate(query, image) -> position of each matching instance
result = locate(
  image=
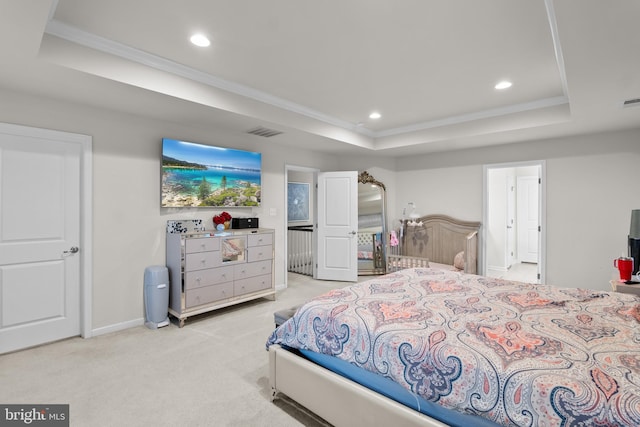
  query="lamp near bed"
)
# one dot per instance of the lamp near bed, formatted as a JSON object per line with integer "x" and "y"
{"x": 634, "y": 240}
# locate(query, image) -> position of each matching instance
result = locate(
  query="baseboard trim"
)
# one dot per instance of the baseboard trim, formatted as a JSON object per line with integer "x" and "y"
{"x": 117, "y": 327}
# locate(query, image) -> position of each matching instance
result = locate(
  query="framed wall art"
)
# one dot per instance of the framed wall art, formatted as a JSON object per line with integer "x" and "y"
{"x": 297, "y": 201}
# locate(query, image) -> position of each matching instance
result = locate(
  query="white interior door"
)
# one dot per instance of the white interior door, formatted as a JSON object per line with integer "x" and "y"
{"x": 528, "y": 222}
{"x": 511, "y": 221}
{"x": 337, "y": 219}
{"x": 39, "y": 238}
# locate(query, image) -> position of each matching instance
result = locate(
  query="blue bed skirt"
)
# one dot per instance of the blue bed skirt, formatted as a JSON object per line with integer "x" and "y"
{"x": 394, "y": 391}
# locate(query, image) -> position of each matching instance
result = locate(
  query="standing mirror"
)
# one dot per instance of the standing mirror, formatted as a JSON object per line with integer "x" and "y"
{"x": 372, "y": 229}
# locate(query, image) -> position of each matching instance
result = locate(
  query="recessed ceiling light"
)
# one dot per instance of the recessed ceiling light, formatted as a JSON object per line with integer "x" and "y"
{"x": 200, "y": 40}
{"x": 375, "y": 115}
{"x": 503, "y": 85}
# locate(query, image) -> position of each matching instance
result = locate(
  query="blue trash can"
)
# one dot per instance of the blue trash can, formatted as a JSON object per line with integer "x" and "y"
{"x": 156, "y": 296}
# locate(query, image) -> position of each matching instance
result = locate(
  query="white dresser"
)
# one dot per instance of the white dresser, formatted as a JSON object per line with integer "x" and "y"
{"x": 212, "y": 269}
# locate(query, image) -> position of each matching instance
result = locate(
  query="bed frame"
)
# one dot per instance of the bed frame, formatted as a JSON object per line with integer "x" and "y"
{"x": 342, "y": 402}
{"x": 337, "y": 400}
{"x": 438, "y": 240}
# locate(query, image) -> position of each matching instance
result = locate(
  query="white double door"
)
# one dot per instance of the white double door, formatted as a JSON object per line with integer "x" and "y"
{"x": 39, "y": 236}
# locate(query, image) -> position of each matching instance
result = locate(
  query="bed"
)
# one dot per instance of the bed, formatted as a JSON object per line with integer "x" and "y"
{"x": 461, "y": 349}
{"x": 438, "y": 241}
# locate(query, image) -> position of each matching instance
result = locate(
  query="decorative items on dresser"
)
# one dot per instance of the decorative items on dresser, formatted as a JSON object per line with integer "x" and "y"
{"x": 211, "y": 269}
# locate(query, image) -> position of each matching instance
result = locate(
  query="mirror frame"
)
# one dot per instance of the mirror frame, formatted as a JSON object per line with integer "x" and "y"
{"x": 365, "y": 178}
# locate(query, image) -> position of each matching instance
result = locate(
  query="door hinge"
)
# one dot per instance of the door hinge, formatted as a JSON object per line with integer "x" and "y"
{"x": 539, "y": 180}
{"x": 539, "y": 229}
{"x": 538, "y": 276}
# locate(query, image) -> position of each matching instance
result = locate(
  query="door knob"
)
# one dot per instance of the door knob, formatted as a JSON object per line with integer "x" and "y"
{"x": 72, "y": 250}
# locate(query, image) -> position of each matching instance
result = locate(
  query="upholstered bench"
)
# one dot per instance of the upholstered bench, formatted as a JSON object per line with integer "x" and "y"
{"x": 281, "y": 316}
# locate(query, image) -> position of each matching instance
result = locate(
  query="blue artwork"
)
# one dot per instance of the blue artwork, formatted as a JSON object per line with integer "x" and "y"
{"x": 197, "y": 175}
{"x": 297, "y": 201}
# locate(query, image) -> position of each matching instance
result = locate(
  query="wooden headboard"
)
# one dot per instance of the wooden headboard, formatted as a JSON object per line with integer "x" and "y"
{"x": 440, "y": 238}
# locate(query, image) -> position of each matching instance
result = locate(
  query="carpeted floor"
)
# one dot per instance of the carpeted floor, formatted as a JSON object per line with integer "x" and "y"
{"x": 212, "y": 372}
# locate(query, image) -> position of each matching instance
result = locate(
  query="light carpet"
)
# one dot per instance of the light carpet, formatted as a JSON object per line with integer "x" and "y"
{"x": 212, "y": 372}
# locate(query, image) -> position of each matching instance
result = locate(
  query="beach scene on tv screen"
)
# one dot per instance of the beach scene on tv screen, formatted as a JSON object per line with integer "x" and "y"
{"x": 197, "y": 175}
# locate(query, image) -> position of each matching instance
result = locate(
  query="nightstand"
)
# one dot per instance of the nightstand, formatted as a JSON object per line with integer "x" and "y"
{"x": 622, "y": 287}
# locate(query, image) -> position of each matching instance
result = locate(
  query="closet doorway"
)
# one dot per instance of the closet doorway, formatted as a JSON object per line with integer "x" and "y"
{"x": 514, "y": 222}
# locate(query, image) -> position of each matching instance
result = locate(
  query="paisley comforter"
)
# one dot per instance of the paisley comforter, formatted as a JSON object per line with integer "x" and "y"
{"x": 515, "y": 353}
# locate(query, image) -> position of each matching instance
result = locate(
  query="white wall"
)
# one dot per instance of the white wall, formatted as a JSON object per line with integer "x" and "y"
{"x": 128, "y": 224}
{"x": 592, "y": 186}
{"x": 591, "y": 190}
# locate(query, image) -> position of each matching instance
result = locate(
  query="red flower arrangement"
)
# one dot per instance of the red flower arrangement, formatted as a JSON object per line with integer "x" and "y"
{"x": 222, "y": 218}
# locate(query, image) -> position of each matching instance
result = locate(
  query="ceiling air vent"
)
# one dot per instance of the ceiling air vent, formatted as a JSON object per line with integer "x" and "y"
{"x": 631, "y": 103}
{"x": 267, "y": 133}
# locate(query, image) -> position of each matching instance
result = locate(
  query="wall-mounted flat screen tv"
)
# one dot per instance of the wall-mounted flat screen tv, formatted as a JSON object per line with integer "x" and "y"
{"x": 198, "y": 175}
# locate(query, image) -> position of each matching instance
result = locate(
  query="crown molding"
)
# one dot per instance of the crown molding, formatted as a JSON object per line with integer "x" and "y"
{"x": 557, "y": 48}
{"x": 478, "y": 115}
{"x": 93, "y": 41}
{"x": 83, "y": 38}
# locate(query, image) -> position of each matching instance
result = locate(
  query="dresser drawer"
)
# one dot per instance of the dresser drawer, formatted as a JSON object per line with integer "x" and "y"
{"x": 252, "y": 284}
{"x": 201, "y": 260}
{"x": 212, "y": 276}
{"x": 243, "y": 271}
{"x": 204, "y": 244}
{"x": 207, "y": 294}
{"x": 260, "y": 239}
{"x": 259, "y": 253}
